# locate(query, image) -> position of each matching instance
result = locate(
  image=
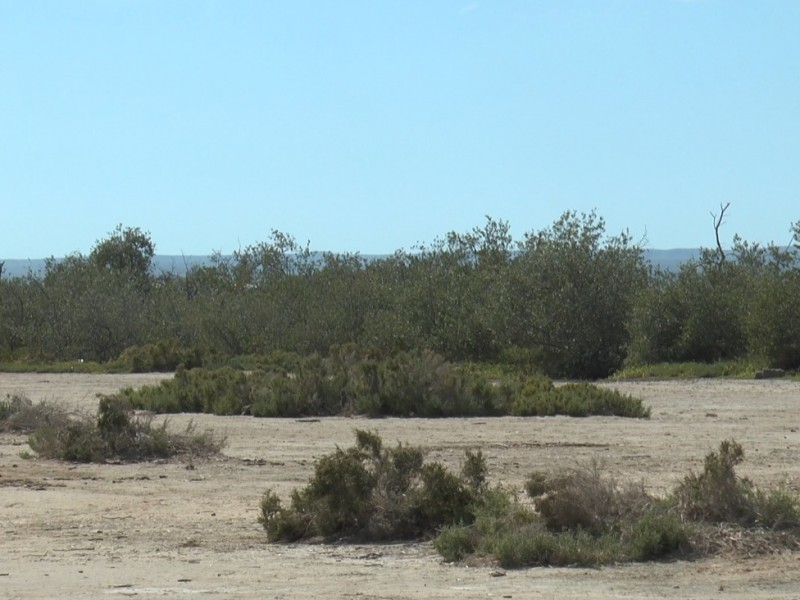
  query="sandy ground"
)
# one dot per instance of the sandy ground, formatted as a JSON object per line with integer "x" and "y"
{"x": 181, "y": 528}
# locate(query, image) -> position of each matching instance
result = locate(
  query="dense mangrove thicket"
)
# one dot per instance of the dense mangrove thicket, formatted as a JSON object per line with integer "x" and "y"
{"x": 569, "y": 300}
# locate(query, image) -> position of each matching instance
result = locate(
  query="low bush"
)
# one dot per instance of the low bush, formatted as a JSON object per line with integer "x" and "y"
{"x": 658, "y": 533}
{"x": 718, "y": 494}
{"x": 162, "y": 356}
{"x": 580, "y": 517}
{"x": 349, "y": 381}
{"x": 576, "y": 400}
{"x": 115, "y": 434}
{"x": 19, "y": 414}
{"x": 775, "y": 509}
{"x": 585, "y": 498}
{"x": 740, "y": 369}
{"x": 370, "y": 492}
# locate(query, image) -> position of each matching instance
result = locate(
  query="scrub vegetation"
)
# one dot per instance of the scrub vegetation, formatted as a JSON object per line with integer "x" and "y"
{"x": 350, "y": 382}
{"x": 580, "y": 517}
{"x": 569, "y": 301}
{"x": 116, "y": 433}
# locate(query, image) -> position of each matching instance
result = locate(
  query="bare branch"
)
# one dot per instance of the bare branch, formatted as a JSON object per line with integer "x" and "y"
{"x": 718, "y": 222}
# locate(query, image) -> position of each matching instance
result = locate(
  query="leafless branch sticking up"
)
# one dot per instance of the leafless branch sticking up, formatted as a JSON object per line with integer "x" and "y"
{"x": 718, "y": 222}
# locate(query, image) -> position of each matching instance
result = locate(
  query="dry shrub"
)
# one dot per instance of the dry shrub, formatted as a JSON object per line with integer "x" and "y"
{"x": 586, "y": 498}
{"x": 19, "y": 414}
{"x": 115, "y": 434}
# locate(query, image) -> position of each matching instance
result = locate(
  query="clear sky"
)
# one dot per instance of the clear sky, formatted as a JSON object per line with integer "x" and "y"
{"x": 373, "y": 125}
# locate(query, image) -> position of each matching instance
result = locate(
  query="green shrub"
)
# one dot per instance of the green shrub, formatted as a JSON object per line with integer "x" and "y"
{"x": 410, "y": 384}
{"x": 455, "y": 542}
{"x": 717, "y": 495}
{"x": 281, "y": 524}
{"x": 221, "y": 391}
{"x": 692, "y": 370}
{"x": 658, "y": 534}
{"x": 576, "y": 400}
{"x": 537, "y": 484}
{"x": 581, "y": 517}
{"x": 162, "y": 356}
{"x": 774, "y": 322}
{"x": 775, "y": 509}
{"x": 525, "y": 547}
{"x": 474, "y": 471}
{"x": 534, "y": 546}
{"x": 75, "y": 439}
{"x": 371, "y": 492}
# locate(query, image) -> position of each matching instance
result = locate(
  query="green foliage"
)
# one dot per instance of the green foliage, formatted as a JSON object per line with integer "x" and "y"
{"x": 373, "y": 493}
{"x": 695, "y": 315}
{"x": 567, "y": 300}
{"x": 12, "y": 405}
{"x": 455, "y": 542}
{"x": 280, "y": 524}
{"x": 575, "y": 400}
{"x": 774, "y": 321}
{"x": 224, "y": 391}
{"x": 162, "y": 356}
{"x": 717, "y": 495}
{"x": 657, "y": 534}
{"x": 742, "y": 369}
{"x": 775, "y": 508}
{"x": 720, "y": 310}
{"x": 474, "y": 471}
{"x": 352, "y": 381}
{"x": 579, "y": 517}
{"x": 127, "y": 249}
{"x": 535, "y": 547}
{"x": 571, "y": 291}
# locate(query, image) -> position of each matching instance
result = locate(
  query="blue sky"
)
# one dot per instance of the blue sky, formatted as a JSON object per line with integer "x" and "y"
{"x": 373, "y": 125}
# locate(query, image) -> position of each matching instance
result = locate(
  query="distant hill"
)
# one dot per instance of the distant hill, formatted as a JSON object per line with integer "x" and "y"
{"x": 668, "y": 260}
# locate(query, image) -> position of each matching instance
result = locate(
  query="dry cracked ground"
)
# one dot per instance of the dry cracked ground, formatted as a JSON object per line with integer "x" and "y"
{"x": 181, "y": 528}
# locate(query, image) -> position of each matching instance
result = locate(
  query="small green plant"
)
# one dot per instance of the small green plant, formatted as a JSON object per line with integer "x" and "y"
{"x": 455, "y": 542}
{"x": 776, "y": 509}
{"x": 537, "y": 547}
{"x": 656, "y": 534}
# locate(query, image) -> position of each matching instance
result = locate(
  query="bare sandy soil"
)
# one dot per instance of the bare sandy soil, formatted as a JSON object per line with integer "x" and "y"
{"x": 181, "y": 528}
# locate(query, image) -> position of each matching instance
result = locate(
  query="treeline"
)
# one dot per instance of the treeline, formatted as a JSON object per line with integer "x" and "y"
{"x": 568, "y": 300}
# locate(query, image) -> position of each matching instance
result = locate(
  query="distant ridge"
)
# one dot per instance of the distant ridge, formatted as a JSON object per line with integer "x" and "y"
{"x": 668, "y": 260}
